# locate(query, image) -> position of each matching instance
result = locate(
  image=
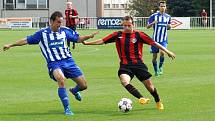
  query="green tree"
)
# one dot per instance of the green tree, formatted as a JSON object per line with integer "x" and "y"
{"x": 201, "y": 4}
{"x": 187, "y": 7}
{"x": 141, "y": 8}
{"x": 181, "y": 8}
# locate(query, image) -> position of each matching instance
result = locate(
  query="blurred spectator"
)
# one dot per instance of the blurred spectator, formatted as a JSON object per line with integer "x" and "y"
{"x": 204, "y": 16}
{"x": 83, "y": 23}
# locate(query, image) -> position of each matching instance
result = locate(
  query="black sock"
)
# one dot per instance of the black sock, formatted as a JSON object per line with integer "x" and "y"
{"x": 155, "y": 95}
{"x": 131, "y": 89}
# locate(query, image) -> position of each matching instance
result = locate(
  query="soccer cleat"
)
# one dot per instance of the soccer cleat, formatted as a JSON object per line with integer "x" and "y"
{"x": 77, "y": 95}
{"x": 156, "y": 74}
{"x": 144, "y": 100}
{"x": 68, "y": 111}
{"x": 160, "y": 71}
{"x": 159, "y": 105}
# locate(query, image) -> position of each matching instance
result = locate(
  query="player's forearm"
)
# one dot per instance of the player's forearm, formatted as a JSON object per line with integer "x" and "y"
{"x": 149, "y": 26}
{"x": 86, "y": 37}
{"x": 71, "y": 16}
{"x": 169, "y": 53}
{"x": 19, "y": 42}
{"x": 96, "y": 42}
{"x": 161, "y": 47}
{"x": 169, "y": 27}
{"x": 74, "y": 16}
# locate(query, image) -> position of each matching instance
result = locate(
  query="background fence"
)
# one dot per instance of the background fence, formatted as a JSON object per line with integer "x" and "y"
{"x": 140, "y": 23}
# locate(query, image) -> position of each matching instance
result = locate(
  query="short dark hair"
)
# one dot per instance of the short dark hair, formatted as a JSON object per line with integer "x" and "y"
{"x": 127, "y": 18}
{"x": 55, "y": 15}
{"x": 164, "y": 2}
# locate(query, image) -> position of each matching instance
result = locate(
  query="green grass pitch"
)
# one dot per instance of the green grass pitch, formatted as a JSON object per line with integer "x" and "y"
{"x": 187, "y": 87}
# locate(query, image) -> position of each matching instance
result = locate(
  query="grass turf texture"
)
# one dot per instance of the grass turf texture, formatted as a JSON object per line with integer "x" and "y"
{"x": 186, "y": 88}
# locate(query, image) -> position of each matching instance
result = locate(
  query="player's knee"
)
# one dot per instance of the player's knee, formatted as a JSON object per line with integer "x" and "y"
{"x": 83, "y": 86}
{"x": 124, "y": 83}
{"x": 61, "y": 83}
{"x": 60, "y": 78}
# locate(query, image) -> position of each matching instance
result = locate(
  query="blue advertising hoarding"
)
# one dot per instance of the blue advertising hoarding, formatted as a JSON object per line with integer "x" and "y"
{"x": 109, "y": 22}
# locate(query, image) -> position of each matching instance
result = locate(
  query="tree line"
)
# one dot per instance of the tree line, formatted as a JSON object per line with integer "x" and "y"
{"x": 179, "y": 8}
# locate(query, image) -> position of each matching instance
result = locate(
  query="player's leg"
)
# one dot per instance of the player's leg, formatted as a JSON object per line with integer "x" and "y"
{"x": 154, "y": 52}
{"x": 81, "y": 85}
{"x": 161, "y": 62}
{"x": 150, "y": 87}
{"x": 72, "y": 71}
{"x": 125, "y": 77}
{"x": 160, "y": 69}
{"x": 62, "y": 93}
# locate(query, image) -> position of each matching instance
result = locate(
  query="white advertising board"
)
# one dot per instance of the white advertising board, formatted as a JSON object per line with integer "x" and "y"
{"x": 180, "y": 23}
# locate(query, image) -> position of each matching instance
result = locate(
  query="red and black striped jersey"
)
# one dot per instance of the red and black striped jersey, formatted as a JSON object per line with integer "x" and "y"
{"x": 129, "y": 45}
{"x": 70, "y": 22}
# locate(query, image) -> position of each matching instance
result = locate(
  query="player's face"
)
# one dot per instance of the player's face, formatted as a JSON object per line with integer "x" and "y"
{"x": 69, "y": 6}
{"x": 56, "y": 23}
{"x": 162, "y": 7}
{"x": 128, "y": 26}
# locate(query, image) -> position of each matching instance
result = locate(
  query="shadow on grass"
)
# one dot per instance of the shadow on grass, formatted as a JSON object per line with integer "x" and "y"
{"x": 51, "y": 112}
{"x": 115, "y": 112}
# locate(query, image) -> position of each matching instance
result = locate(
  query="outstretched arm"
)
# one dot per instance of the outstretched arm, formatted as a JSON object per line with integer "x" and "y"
{"x": 96, "y": 42}
{"x": 86, "y": 37}
{"x": 169, "y": 53}
{"x": 17, "y": 43}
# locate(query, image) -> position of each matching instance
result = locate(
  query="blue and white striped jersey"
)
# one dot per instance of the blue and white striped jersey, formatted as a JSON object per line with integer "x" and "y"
{"x": 160, "y": 28}
{"x": 54, "y": 44}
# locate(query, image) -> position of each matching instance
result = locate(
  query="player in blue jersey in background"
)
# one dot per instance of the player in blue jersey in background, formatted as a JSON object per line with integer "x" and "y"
{"x": 53, "y": 44}
{"x": 160, "y": 21}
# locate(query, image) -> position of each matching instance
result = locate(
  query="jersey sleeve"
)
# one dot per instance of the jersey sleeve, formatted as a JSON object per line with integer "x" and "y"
{"x": 71, "y": 35}
{"x": 75, "y": 12}
{"x": 35, "y": 38}
{"x": 146, "y": 39}
{"x": 151, "y": 19}
{"x": 110, "y": 38}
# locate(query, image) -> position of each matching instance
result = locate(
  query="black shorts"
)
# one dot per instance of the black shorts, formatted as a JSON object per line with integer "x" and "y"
{"x": 139, "y": 70}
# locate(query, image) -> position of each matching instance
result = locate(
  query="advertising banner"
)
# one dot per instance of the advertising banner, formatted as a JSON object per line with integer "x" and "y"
{"x": 109, "y": 23}
{"x": 180, "y": 23}
{"x": 19, "y": 22}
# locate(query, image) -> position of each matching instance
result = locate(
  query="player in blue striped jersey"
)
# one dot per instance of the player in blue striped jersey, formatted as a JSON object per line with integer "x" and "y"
{"x": 160, "y": 21}
{"x": 52, "y": 41}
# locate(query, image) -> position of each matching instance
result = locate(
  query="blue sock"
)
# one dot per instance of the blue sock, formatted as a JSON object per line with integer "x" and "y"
{"x": 155, "y": 66}
{"x": 63, "y": 97}
{"x": 75, "y": 89}
{"x": 161, "y": 61}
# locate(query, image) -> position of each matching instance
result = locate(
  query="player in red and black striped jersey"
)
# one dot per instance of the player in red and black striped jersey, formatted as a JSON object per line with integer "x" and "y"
{"x": 71, "y": 15}
{"x": 129, "y": 44}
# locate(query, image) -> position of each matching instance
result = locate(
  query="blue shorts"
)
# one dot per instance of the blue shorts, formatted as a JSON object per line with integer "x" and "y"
{"x": 155, "y": 49}
{"x": 67, "y": 66}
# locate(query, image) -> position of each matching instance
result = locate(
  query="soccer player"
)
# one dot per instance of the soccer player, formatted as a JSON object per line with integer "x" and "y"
{"x": 129, "y": 45}
{"x": 52, "y": 42}
{"x": 71, "y": 15}
{"x": 204, "y": 16}
{"x": 161, "y": 23}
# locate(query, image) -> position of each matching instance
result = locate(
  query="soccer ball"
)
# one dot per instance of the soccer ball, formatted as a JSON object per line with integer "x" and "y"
{"x": 125, "y": 105}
